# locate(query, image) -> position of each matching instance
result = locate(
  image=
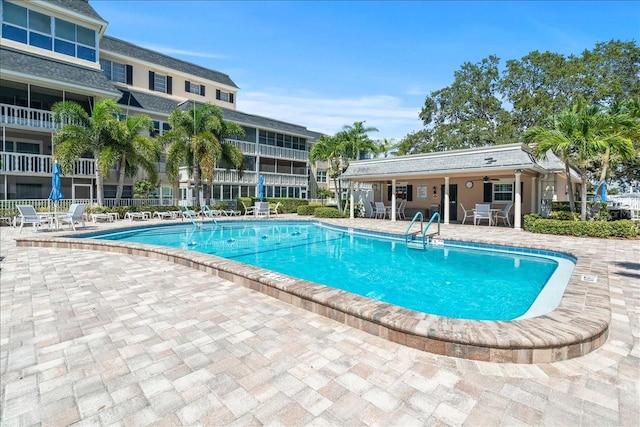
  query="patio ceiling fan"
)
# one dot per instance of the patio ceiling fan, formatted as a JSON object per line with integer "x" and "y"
{"x": 486, "y": 179}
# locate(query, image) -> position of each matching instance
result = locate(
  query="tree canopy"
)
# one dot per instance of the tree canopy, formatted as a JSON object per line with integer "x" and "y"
{"x": 490, "y": 104}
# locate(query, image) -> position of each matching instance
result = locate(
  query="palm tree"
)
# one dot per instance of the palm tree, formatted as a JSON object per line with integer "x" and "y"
{"x": 135, "y": 150}
{"x": 329, "y": 148}
{"x": 197, "y": 140}
{"x": 577, "y": 135}
{"x": 618, "y": 146}
{"x": 356, "y": 141}
{"x": 84, "y": 134}
{"x": 386, "y": 147}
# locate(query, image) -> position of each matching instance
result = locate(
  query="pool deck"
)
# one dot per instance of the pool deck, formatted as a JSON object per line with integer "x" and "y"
{"x": 107, "y": 338}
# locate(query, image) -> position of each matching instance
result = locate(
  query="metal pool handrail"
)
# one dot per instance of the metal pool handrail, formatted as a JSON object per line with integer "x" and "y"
{"x": 424, "y": 234}
{"x": 415, "y": 217}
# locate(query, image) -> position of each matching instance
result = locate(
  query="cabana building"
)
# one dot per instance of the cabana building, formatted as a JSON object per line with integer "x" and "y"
{"x": 454, "y": 181}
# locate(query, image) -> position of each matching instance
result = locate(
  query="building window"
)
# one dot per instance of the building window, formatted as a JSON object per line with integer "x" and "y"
{"x": 321, "y": 176}
{"x": 224, "y": 96}
{"x": 280, "y": 140}
{"x": 159, "y": 83}
{"x": 502, "y": 192}
{"x": 194, "y": 88}
{"x": 117, "y": 72}
{"x": 37, "y": 29}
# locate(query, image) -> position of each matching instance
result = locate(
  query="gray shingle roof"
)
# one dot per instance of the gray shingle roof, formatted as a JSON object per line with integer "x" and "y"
{"x": 146, "y": 101}
{"x": 267, "y": 123}
{"x": 160, "y": 104}
{"x": 484, "y": 160}
{"x": 79, "y": 6}
{"x": 114, "y": 45}
{"x": 50, "y": 69}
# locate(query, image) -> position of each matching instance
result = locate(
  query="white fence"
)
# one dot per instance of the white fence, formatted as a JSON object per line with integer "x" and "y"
{"x": 631, "y": 200}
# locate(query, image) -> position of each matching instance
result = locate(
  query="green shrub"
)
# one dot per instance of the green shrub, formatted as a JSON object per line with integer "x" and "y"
{"x": 602, "y": 229}
{"x": 564, "y": 215}
{"x": 325, "y": 212}
{"x": 566, "y": 206}
{"x": 97, "y": 209}
{"x": 307, "y": 209}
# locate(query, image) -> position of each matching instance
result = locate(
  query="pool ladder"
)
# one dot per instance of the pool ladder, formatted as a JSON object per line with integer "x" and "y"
{"x": 425, "y": 237}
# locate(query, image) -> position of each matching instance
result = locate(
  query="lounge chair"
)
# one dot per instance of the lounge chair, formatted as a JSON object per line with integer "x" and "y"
{"x": 135, "y": 215}
{"x": 468, "y": 213}
{"x": 188, "y": 213}
{"x": 274, "y": 210}
{"x": 482, "y": 211}
{"x": 207, "y": 212}
{"x": 73, "y": 216}
{"x": 165, "y": 214}
{"x": 504, "y": 214}
{"x": 28, "y": 215}
{"x": 95, "y": 217}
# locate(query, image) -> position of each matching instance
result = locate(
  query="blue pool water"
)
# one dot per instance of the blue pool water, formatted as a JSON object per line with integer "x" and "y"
{"x": 448, "y": 280}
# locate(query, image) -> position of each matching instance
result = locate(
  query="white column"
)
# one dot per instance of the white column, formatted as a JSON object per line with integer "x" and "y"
{"x": 446, "y": 200}
{"x": 534, "y": 196}
{"x": 517, "y": 215}
{"x": 393, "y": 200}
{"x": 351, "y": 200}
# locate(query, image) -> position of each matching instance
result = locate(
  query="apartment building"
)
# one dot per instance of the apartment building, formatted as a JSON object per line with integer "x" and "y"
{"x": 58, "y": 50}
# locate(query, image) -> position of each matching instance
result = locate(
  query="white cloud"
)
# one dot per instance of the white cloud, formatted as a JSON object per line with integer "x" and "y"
{"x": 329, "y": 115}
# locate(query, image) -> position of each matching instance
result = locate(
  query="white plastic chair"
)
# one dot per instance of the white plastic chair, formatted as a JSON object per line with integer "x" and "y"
{"x": 249, "y": 210}
{"x": 468, "y": 213}
{"x": 400, "y": 211}
{"x": 504, "y": 214}
{"x": 73, "y": 216}
{"x": 381, "y": 209}
{"x": 274, "y": 210}
{"x": 482, "y": 211}
{"x": 28, "y": 215}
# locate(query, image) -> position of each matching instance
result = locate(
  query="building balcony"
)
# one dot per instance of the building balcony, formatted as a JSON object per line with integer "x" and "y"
{"x": 41, "y": 165}
{"x": 249, "y": 148}
{"x": 223, "y": 176}
{"x": 15, "y": 115}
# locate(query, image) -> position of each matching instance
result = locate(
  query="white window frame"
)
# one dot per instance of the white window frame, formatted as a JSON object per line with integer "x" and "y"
{"x": 494, "y": 192}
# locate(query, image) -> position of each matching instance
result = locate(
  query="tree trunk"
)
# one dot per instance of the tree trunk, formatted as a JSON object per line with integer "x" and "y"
{"x": 337, "y": 188}
{"x": 196, "y": 184}
{"x": 121, "y": 175}
{"x": 583, "y": 194}
{"x": 572, "y": 201}
{"x": 605, "y": 164}
{"x": 99, "y": 187}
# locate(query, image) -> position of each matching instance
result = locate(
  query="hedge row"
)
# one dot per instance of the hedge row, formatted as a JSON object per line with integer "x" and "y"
{"x": 603, "y": 229}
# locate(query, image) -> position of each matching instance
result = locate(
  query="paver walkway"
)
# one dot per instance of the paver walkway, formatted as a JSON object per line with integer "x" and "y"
{"x": 93, "y": 338}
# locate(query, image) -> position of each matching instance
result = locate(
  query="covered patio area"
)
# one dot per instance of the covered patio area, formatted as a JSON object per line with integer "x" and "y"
{"x": 453, "y": 182}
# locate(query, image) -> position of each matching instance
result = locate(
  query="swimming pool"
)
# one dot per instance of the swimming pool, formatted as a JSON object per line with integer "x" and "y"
{"x": 449, "y": 280}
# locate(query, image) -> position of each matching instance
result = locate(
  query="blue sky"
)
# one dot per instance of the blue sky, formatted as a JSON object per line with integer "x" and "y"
{"x": 327, "y": 64}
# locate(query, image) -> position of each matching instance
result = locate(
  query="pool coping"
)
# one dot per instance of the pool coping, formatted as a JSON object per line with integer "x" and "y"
{"x": 579, "y": 325}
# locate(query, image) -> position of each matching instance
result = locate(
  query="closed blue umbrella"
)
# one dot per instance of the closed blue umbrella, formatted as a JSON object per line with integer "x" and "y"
{"x": 55, "y": 194}
{"x": 261, "y": 188}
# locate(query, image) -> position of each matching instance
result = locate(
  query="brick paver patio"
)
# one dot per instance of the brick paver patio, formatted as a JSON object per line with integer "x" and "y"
{"x": 96, "y": 338}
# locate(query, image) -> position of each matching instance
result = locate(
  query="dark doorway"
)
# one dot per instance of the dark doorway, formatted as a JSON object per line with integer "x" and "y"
{"x": 453, "y": 201}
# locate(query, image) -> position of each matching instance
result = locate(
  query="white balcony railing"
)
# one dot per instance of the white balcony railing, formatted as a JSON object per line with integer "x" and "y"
{"x": 283, "y": 153}
{"x": 270, "y": 151}
{"x": 41, "y": 165}
{"x": 27, "y": 117}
